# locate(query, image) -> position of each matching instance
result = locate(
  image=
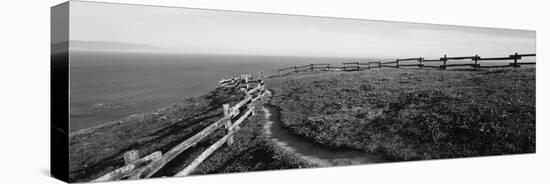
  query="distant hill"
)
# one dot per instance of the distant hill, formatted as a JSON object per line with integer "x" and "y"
{"x": 79, "y": 45}
{"x": 59, "y": 47}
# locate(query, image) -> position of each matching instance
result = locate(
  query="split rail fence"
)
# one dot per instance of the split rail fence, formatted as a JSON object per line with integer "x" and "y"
{"x": 136, "y": 168}
{"x": 419, "y": 62}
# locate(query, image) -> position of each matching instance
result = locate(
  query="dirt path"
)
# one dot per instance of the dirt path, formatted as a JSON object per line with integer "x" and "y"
{"x": 309, "y": 151}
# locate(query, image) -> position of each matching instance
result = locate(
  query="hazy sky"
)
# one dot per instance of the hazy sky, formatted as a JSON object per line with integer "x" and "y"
{"x": 226, "y": 32}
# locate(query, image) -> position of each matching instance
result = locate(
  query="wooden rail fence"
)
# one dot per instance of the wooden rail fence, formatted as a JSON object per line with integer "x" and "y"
{"x": 420, "y": 62}
{"x": 147, "y": 166}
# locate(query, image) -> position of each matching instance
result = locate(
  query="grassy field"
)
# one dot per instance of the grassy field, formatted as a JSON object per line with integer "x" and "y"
{"x": 411, "y": 114}
{"x": 96, "y": 151}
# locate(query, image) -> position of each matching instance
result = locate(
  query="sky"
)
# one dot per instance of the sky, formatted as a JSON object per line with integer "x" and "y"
{"x": 197, "y": 31}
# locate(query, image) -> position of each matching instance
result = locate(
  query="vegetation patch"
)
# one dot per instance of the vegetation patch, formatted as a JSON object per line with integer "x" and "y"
{"x": 410, "y": 114}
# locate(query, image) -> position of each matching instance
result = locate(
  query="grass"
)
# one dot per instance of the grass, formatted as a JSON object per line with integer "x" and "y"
{"x": 411, "y": 114}
{"x": 96, "y": 151}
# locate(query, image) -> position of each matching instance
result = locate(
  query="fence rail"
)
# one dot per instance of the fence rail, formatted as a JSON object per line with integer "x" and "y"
{"x": 410, "y": 59}
{"x": 136, "y": 168}
{"x": 458, "y": 58}
{"x": 354, "y": 66}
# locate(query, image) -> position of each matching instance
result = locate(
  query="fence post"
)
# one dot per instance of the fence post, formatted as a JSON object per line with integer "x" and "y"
{"x": 226, "y": 110}
{"x": 421, "y": 60}
{"x": 227, "y": 124}
{"x": 444, "y": 62}
{"x": 397, "y": 61}
{"x": 358, "y": 67}
{"x": 475, "y": 62}
{"x": 261, "y": 75}
{"x": 328, "y": 67}
{"x": 516, "y": 60}
{"x": 311, "y": 67}
{"x": 130, "y": 157}
{"x": 380, "y": 64}
{"x": 228, "y": 130}
{"x": 263, "y": 88}
{"x": 344, "y": 66}
{"x": 295, "y": 68}
{"x": 250, "y": 106}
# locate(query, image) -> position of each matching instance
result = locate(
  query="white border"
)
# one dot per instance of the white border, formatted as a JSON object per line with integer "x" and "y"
{"x": 25, "y": 90}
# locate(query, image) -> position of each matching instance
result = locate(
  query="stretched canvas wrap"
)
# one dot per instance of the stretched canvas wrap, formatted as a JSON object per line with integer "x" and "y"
{"x": 149, "y": 91}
